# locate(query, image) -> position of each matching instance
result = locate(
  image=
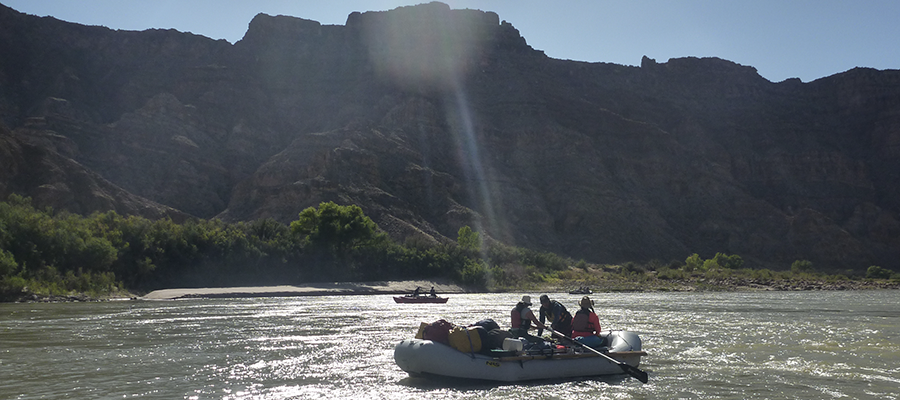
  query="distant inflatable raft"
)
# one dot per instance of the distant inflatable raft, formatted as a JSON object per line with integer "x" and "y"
{"x": 420, "y": 357}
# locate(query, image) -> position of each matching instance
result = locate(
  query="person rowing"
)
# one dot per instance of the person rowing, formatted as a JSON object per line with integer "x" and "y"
{"x": 522, "y": 318}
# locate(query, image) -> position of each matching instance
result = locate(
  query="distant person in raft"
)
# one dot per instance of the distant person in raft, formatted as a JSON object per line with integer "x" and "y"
{"x": 432, "y": 294}
{"x": 586, "y": 325}
{"x": 522, "y": 318}
{"x": 415, "y": 293}
{"x": 560, "y": 319}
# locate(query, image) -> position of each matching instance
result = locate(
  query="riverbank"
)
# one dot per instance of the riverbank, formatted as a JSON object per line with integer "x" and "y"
{"x": 406, "y": 287}
{"x": 730, "y": 285}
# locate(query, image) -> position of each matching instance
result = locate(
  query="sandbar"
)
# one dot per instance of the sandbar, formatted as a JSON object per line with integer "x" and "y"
{"x": 308, "y": 289}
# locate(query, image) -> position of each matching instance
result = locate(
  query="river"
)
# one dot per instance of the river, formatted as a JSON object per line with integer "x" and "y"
{"x": 766, "y": 345}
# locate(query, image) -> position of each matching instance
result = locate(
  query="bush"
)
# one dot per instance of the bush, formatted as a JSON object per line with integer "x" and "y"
{"x": 8, "y": 265}
{"x": 472, "y": 273}
{"x": 733, "y": 261}
{"x": 11, "y": 287}
{"x": 496, "y": 277}
{"x": 667, "y": 273}
{"x": 802, "y": 266}
{"x": 633, "y": 268}
{"x": 654, "y": 265}
{"x": 876, "y": 272}
{"x": 694, "y": 262}
{"x": 717, "y": 273}
{"x": 710, "y": 265}
{"x": 543, "y": 261}
{"x": 761, "y": 274}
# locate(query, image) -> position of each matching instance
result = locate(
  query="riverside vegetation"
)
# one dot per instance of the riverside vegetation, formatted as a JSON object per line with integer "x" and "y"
{"x": 59, "y": 255}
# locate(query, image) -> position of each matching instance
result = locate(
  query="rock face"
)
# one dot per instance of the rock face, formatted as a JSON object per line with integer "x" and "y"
{"x": 35, "y": 162}
{"x": 431, "y": 119}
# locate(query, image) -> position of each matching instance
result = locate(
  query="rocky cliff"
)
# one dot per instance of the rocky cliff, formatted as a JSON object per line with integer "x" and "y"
{"x": 431, "y": 119}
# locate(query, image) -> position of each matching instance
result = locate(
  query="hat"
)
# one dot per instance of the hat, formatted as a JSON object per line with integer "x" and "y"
{"x": 526, "y": 299}
{"x": 545, "y": 299}
{"x": 586, "y": 302}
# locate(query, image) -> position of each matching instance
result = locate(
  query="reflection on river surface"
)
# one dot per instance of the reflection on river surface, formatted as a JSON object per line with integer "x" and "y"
{"x": 774, "y": 345}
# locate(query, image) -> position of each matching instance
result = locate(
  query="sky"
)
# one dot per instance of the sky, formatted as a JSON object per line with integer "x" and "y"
{"x": 806, "y": 39}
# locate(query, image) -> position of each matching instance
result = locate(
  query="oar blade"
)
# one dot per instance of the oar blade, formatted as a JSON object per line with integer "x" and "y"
{"x": 635, "y": 372}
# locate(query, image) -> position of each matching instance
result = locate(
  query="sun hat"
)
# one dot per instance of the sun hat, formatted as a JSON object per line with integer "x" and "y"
{"x": 526, "y": 299}
{"x": 586, "y": 302}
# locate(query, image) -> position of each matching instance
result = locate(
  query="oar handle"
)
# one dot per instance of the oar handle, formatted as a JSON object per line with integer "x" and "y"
{"x": 630, "y": 370}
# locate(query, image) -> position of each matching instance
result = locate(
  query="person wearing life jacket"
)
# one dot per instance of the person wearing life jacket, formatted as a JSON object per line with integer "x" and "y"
{"x": 560, "y": 319}
{"x": 586, "y": 325}
{"x": 521, "y": 319}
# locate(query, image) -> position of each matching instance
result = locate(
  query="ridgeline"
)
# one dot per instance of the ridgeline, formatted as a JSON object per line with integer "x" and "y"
{"x": 430, "y": 120}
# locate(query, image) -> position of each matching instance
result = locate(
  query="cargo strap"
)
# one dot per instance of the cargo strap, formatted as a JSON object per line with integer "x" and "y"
{"x": 471, "y": 347}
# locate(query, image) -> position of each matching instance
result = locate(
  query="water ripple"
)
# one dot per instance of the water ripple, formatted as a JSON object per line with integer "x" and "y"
{"x": 702, "y": 345}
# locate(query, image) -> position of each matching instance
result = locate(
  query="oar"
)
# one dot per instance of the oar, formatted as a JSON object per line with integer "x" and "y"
{"x": 630, "y": 370}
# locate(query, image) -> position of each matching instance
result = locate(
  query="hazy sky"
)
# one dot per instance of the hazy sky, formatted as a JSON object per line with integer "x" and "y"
{"x": 808, "y": 39}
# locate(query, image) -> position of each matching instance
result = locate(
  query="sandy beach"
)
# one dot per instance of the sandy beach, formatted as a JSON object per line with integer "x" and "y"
{"x": 310, "y": 289}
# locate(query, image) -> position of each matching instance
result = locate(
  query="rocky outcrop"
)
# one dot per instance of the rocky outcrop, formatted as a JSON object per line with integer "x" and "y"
{"x": 34, "y": 164}
{"x": 431, "y": 119}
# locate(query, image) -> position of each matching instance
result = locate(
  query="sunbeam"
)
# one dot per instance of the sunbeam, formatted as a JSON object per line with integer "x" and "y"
{"x": 462, "y": 125}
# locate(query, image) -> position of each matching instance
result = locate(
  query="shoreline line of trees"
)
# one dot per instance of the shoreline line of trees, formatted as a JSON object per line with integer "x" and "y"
{"x": 46, "y": 252}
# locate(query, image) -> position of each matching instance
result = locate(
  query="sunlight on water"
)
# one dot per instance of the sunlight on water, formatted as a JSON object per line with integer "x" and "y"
{"x": 701, "y": 345}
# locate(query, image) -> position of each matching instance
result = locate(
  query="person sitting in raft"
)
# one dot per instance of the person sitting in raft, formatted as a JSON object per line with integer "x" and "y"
{"x": 586, "y": 325}
{"x": 560, "y": 319}
{"x": 416, "y": 292}
{"x": 522, "y": 317}
{"x": 432, "y": 292}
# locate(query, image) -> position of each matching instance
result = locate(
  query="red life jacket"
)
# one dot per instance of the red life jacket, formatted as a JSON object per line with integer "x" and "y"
{"x": 582, "y": 322}
{"x": 516, "y": 317}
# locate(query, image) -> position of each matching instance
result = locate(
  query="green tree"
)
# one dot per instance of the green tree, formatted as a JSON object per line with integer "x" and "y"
{"x": 336, "y": 228}
{"x": 8, "y": 265}
{"x": 877, "y": 272}
{"x": 694, "y": 262}
{"x": 468, "y": 239}
{"x": 472, "y": 272}
{"x": 710, "y": 265}
{"x": 733, "y": 261}
{"x": 268, "y": 231}
{"x": 802, "y": 266}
